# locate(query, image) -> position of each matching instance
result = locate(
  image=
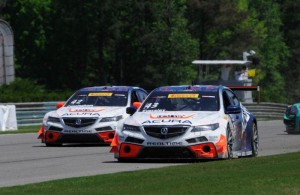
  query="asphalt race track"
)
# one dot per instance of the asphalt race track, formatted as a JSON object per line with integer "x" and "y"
{"x": 23, "y": 159}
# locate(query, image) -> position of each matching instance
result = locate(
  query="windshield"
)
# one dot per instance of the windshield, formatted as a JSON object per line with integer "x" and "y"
{"x": 98, "y": 98}
{"x": 181, "y": 101}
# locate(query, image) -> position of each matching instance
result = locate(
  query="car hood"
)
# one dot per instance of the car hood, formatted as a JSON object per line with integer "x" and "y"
{"x": 173, "y": 118}
{"x": 91, "y": 111}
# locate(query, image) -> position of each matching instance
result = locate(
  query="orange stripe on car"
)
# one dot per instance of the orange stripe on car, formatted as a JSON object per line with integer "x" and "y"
{"x": 107, "y": 136}
{"x": 129, "y": 150}
{"x": 222, "y": 144}
{"x": 206, "y": 150}
{"x": 51, "y": 136}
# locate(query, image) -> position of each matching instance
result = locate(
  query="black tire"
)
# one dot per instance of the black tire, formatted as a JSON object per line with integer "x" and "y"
{"x": 254, "y": 140}
{"x": 229, "y": 140}
{"x": 53, "y": 145}
{"x": 122, "y": 160}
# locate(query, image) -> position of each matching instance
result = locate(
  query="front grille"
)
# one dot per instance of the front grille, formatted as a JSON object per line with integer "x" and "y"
{"x": 134, "y": 140}
{"x": 79, "y": 122}
{"x": 53, "y": 128}
{"x": 196, "y": 140}
{"x": 165, "y": 132}
{"x": 166, "y": 153}
{"x": 80, "y": 138}
{"x": 107, "y": 128}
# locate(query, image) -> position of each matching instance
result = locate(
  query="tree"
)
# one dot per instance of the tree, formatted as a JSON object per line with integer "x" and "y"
{"x": 5, "y": 8}
{"x": 74, "y": 43}
{"x": 28, "y": 20}
{"x": 291, "y": 29}
{"x": 227, "y": 28}
{"x": 273, "y": 49}
{"x": 154, "y": 47}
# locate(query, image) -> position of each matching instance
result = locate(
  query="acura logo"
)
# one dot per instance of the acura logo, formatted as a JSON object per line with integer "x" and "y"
{"x": 78, "y": 121}
{"x": 164, "y": 131}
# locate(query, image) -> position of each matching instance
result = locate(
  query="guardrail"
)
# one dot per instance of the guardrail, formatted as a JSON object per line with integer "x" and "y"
{"x": 32, "y": 113}
{"x": 267, "y": 110}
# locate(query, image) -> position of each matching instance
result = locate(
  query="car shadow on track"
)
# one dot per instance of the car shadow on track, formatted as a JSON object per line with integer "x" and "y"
{"x": 163, "y": 161}
{"x": 73, "y": 145}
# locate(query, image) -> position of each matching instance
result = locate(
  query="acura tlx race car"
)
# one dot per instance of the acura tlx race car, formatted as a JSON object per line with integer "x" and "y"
{"x": 187, "y": 122}
{"x": 90, "y": 115}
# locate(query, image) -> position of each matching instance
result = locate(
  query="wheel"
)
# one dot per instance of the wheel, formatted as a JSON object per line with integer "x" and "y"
{"x": 254, "y": 140}
{"x": 229, "y": 139}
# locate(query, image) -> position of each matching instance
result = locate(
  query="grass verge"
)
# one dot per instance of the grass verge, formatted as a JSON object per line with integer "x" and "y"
{"x": 279, "y": 174}
{"x": 23, "y": 129}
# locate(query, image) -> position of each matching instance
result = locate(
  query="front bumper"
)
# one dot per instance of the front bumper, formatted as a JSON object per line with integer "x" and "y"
{"x": 199, "y": 151}
{"x": 53, "y": 137}
{"x": 57, "y": 133}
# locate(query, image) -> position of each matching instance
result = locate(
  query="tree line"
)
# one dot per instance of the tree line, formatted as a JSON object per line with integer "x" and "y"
{"x": 73, "y": 43}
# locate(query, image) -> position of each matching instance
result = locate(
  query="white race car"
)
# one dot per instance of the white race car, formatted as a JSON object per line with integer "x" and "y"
{"x": 187, "y": 122}
{"x": 90, "y": 115}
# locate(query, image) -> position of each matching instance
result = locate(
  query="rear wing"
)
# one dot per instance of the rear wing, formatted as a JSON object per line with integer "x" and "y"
{"x": 247, "y": 88}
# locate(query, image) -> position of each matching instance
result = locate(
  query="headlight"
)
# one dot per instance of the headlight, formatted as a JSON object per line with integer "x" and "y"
{"x": 131, "y": 128}
{"x": 210, "y": 127}
{"x": 110, "y": 119}
{"x": 53, "y": 120}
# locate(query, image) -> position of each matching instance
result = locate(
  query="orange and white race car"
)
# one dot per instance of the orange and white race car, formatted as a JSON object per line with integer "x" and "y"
{"x": 187, "y": 122}
{"x": 90, "y": 115}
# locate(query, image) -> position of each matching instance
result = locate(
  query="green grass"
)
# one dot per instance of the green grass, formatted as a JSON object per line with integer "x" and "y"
{"x": 23, "y": 129}
{"x": 279, "y": 174}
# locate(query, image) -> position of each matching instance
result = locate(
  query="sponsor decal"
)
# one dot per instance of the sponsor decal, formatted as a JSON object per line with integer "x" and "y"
{"x": 183, "y": 95}
{"x": 164, "y": 144}
{"x": 78, "y": 131}
{"x": 85, "y": 110}
{"x": 81, "y": 114}
{"x": 208, "y": 96}
{"x": 167, "y": 121}
{"x": 156, "y": 110}
{"x": 100, "y": 94}
{"x": 170, "y": 116}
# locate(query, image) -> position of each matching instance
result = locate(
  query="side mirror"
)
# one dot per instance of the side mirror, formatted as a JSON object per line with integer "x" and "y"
{"x": 131, "y": 110}
{"x": 59, "y": 104}
{"x": 231, "y": 109}
{"x": 137, "y": 104}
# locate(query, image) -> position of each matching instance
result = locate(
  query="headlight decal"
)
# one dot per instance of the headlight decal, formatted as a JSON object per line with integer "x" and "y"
{"x": 106, "y": 128}
{"x": 110, "y": 119}
{"x": 210, "y": 127}
{"x": 131, "y": 128}
{"x": 53, "y": 120}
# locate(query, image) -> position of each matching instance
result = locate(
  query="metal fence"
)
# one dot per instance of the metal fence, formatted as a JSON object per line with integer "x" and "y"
{"x": 32, "y": 113}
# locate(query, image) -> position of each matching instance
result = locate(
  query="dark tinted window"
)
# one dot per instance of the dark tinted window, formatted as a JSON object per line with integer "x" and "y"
{"x": 141, "y": 95}
{"x": 98, "y": 98}
{"x": 232, "y": 98}
{"x": 181, "y": 101}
